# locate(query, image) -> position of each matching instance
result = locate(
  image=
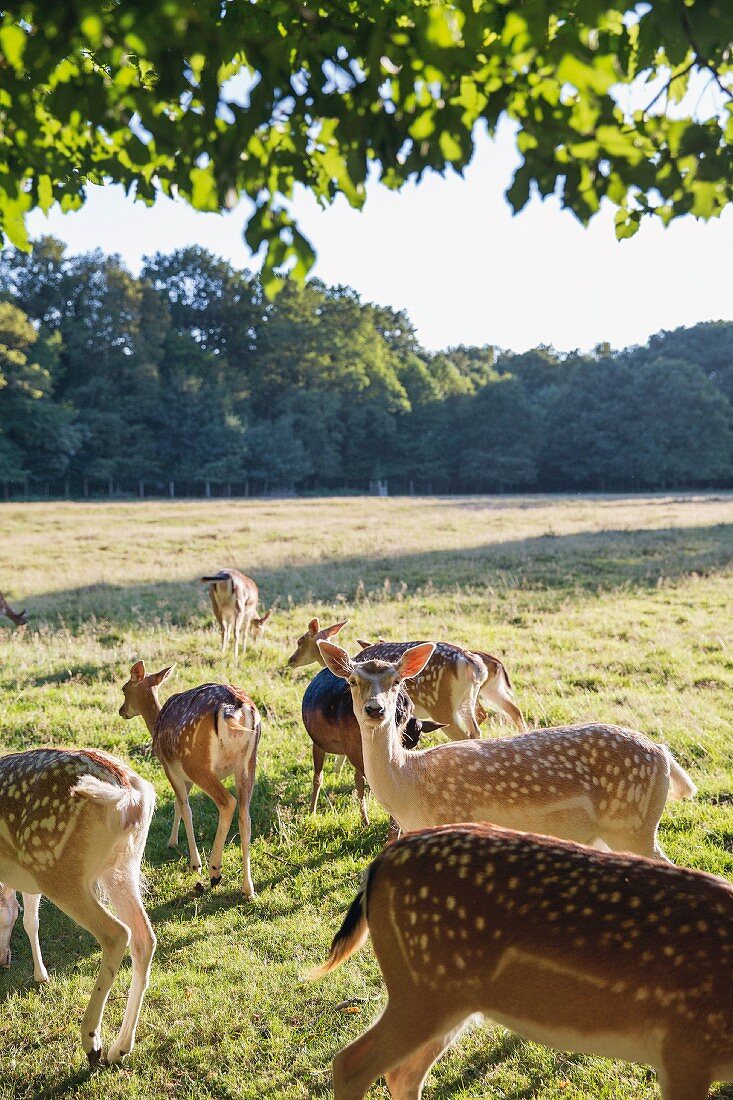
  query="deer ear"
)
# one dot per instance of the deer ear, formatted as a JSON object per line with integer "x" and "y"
{"x": 329, "y": 631}
{"x": 337, "y": 659}
{"x": 414, "y": 660}
{"x": 314, "y": 626}
{"x": 428, "y": 726}
{"x": 156, "y": 678}
{"x": 362, "y": 644}
{"x": 137, "y": 672}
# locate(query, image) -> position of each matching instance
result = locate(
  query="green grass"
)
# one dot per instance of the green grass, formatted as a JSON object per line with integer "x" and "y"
{"x": 611, "y": 608}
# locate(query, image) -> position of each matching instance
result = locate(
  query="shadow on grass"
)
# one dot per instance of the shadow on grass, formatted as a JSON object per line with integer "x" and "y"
{"x": 595, "y": 561}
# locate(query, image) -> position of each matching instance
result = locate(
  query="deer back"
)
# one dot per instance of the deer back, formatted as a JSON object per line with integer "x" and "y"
{"x": 432, "y": 689}
{"x": 184, "y": 715}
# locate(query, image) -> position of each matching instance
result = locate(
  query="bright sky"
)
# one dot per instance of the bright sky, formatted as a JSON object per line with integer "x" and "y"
{"x": 450, "y": 252}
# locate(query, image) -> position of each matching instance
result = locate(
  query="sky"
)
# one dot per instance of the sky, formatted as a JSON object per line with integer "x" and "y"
{"x": 450, "y": 253}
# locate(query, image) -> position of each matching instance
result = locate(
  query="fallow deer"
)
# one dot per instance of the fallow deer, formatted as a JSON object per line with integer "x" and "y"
{"x": 202, "y": 736}
{"x": 598, "y": 953}
{"x": 453, "y": 685}
{"x": 20, "y": 618}
{"x": 73, "y": 822}
{"x": 328, "y": 716}
{"x": 596, "y": 784}
{"x": 234, "y": 599}
{"x": 9, "y": 910}
{"x": 306, "y": 652}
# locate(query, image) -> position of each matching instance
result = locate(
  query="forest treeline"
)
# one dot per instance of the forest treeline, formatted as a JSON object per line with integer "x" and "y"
{"x": 187, "y": 379}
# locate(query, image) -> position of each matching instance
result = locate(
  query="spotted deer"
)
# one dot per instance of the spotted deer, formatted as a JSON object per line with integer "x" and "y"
{"x": 599, "y": 953}
{"x": 596, "y": 784}
{"x": 20, "y": 618}
{"x": 328, "y": 716}
{"x": 234, "y": 599}
{"x": 202, "y": 736}
{"x": 448, "y": 690}
{"x": 73, "y": 823}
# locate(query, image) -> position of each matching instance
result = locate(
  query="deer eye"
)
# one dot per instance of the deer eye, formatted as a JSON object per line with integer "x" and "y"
{"x": 352, "y": 681}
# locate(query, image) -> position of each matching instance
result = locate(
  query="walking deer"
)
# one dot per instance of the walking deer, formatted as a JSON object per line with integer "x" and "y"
{"x": 234, "y": 599}
{"x": 202, "y": 736}
{"x": 73, "y": 822}
{"x": 328, "y": 716}
{"x": 598, "y": 953}
{"x": 20, "y": 618}
{"x": 596, "y": 784}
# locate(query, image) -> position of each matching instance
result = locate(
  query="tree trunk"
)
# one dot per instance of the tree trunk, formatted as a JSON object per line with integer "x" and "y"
{"x": 86, "y": 487}
{"x": 207, "y": 490}
{"x": 142, "y": 489}
{"x": 171, "y": 489}
{"x": 66, "y": 488}
{"x": 229, "y": 488}
{"x": 110, "y": 486}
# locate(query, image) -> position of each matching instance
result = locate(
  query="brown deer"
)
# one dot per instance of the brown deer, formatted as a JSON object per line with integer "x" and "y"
{"x": 73, "y": 822}
{"x": 20, "y": 618}
{"x": 234, "y": 598}
{"x": 447, "y": 691}
{"x": 202, "y": 736}
{"x": 586, "y": 951}
{"x": 328, "y": 716}
{"x": 596, "y": 784}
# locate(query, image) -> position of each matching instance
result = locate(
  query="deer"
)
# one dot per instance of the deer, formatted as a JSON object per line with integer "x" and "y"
{"x": 74, "y": 822}
{"x": 449, "y": 689}
{"x": 201, "y": 736}
{"x": 234, "y": 599}
{"x": 328, "y": 716}
{"x": 20, "y": 618}
{"x": 594, "y": 952}
{"x": 595, "y": 784}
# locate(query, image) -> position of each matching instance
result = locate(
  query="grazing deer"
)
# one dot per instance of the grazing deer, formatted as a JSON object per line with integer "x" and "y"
{"x": 20, "y": 618}
{"x": 234, "y": 598}
{"x": 202, "y": 736}
{"x": 73, "y": 822}
{"x": 598, "y": 953}
{"x": 9, "y": 910}
{"x": 328, "y": 716}
{"x": 453, "y": 685}
{"x": 596, "y": 784}
{"x": 307, "y": 653}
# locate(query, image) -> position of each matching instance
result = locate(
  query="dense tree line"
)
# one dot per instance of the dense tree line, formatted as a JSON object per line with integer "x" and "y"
{"x": 188, "y": 379}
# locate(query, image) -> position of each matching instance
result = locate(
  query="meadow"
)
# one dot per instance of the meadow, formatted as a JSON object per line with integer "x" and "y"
{"x": 609, "y": 608}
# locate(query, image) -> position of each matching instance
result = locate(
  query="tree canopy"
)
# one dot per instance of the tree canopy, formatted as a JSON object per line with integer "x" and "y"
{"x": 209, "y": 100}
{"x": 189, "y": 374}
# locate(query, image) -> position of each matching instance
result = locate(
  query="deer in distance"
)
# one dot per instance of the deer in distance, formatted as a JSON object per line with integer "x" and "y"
{"x": 202, "y": 736}
{"x": 595, "y": 784}
{"x": 73, "y": 821}
{"x": 328, "y": 716}
{"x": 234, "y": 599}
{"x": 20, "y": 618}
{"x": 594, "y": 952}
{"x": 449, "y": 690}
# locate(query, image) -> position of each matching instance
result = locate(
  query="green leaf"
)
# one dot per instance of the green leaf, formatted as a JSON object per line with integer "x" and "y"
{"x": 12, "y": 45}
{"x": 45, "y": 193}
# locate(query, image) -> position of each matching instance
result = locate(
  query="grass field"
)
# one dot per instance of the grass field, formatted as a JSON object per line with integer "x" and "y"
{"x": 613, "y": 608}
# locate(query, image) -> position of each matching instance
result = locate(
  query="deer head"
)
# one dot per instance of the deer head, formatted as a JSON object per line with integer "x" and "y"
{"x": 375, "y": 684}
{"x": 306, "y": 648}
{"x": 140, "y": 689}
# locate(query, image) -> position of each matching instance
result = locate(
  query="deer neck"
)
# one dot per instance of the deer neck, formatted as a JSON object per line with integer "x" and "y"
{"x": 387, "y": 766}
{"x": 150, "y": 709}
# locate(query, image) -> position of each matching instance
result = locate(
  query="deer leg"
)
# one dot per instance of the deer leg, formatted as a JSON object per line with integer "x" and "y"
{"x": 30, "y": 923}
{"x": 124, "y": 893}
{"x": 393, "y": 1039}
{"x": 682, "y": 1077}
{"x": 318, "y": 757}
{"x": 226, "y": 804}
{"x": 245, "y": 780}
{"x": 339, "y": 762}
{"x": 79, "y": 903}
{"x": 181, "y": 787}
{"x": 361, "y": 795}
{"x": 175, "y": 831}
{"x": 407, "y": 1080}
{"x": 500, "y": 697}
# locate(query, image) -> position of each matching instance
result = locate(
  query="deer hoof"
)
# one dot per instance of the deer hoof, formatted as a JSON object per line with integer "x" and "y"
{"x": 94, "y": 1056}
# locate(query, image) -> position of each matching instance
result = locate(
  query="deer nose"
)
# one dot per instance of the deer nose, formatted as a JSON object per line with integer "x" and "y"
{"x": 374, "y": 708}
